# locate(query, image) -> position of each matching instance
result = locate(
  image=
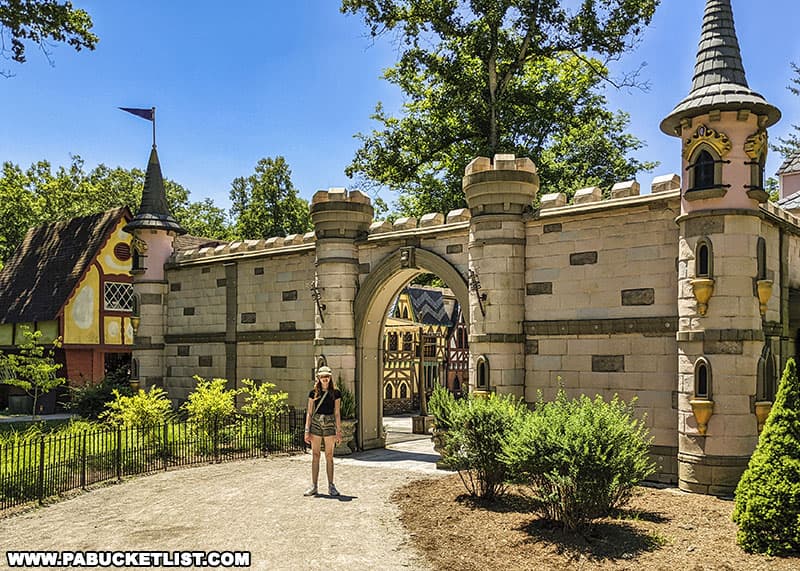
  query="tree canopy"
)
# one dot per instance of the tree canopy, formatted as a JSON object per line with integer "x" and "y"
{"x": 790, "y": 145}
{"x": 266, "y": 203}
{"x": 482, "y": 77}
{"x": 39, "y": 195}
{"x": 41, "y": 22}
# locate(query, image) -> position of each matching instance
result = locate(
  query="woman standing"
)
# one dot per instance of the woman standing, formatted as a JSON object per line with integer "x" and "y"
{"x": 323, "y": 421}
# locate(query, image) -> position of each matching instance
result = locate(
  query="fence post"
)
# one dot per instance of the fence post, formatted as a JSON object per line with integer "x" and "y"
{"x": 83, "y": 461}
{"x": 216, "y": 439}
{"x": 118, "y": 454}
{"x": 40, "y": 484}
{"x": 264, "y": 434}
{"x": 166, "y": 445}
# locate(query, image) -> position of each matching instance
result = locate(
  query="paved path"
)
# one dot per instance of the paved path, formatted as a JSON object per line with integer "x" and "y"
{"x": 253, "y": 505}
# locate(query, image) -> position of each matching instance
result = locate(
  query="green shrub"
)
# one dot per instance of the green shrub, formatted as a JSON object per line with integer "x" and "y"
{"x": 347, "y": 405}
{"x": 479, "y": 428}
{"x": 767, "y": 507}
{"x": 140, "y": 410}
{"x": 581, "y": 457}
{"x": 89, "y": 401}
{"x": 261, "y": 400}
{"x": 210, "y": 401}
{"x": 440, "y": 406}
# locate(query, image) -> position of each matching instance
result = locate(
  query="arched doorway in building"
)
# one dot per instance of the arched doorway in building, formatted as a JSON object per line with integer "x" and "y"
{"x": 372, "y": 304}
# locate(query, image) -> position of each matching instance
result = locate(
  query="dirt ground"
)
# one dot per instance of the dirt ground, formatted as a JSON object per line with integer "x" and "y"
{"x": 663, "y": 529}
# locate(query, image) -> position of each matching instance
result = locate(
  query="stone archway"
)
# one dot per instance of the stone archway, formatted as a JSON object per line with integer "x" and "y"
{"x": 370, "y": 308}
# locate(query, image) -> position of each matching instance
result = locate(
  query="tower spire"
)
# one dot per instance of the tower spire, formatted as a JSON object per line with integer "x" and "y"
{"x": 153, "y": 213}
{"x": 719, "y": 81}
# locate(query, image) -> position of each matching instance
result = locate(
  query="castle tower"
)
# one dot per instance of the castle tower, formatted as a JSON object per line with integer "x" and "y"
{"x": 340, "y": 218}
{"x": 153, "y": 229}
{"x": 498, "y": 193}
{"x": 722, "y": 124}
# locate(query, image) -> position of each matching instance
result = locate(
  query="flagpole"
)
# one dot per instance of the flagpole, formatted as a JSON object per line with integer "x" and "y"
{"x": 154, "y": 127}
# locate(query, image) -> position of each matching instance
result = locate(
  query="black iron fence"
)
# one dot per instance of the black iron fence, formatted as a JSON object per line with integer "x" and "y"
{"x": 47, "y": 465}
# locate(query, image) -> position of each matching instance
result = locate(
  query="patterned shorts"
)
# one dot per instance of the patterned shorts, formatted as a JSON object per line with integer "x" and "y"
{"x": 323, "y": 425}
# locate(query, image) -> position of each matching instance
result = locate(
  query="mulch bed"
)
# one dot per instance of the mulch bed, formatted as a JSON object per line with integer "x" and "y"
{"x": 660, "y": 529}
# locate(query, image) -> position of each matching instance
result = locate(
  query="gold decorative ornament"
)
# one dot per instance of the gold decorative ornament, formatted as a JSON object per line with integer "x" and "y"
{"x": 139, "y": 245}
{"x": 711, "y": 137}
{"x": 703, "y": 289}
{"x": 764, "y": 288}
{"x": 135, "y": 320}
{"x": 702, "y": 409}
{"x": 755, "y": 146}
{"x": 763, "y": 408}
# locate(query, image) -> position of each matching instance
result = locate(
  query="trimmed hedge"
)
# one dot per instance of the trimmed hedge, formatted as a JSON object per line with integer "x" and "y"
{"x": 767, "y": 507}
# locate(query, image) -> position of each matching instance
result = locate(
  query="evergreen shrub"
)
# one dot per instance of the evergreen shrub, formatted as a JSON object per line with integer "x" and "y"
{"x": 478, "y": 430}
{"x": 767, "y": 506}
{"x": 581, "y": 457}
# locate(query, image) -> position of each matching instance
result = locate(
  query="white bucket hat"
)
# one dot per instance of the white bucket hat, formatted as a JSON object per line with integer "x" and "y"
{"x": 324, "y": 370}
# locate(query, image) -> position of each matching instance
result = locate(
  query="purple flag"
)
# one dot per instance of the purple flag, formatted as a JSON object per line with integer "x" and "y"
{"x": 143, "y": 113}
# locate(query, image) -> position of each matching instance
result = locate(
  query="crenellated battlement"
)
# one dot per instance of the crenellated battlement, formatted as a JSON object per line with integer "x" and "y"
{"x": 337, "y": 213}
{"x": 427, "y": 221}
{"x": 275, "y": 244}
{"x": 505, "y": 185}
{"x": 621, "y": 192}
{"x": 340, "y": 194}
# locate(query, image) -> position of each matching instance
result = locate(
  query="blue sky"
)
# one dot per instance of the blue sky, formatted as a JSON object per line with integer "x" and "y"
{"x": 235, "y": 82}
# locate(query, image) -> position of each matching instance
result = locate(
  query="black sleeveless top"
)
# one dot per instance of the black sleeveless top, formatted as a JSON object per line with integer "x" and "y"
{"x": 328, "y": 404}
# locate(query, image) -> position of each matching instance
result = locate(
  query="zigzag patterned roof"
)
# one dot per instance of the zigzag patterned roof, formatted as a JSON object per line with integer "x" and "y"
{"x": 428, "y": 306}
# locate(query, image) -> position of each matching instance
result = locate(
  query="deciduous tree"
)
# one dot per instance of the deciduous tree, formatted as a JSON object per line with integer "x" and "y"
{"x": 32, "y": 367}
{"x": 266, "y": 203}
{"x": 487, "y": 76}
{"x": 41, "y": 22}
{"x": 41, "y": 195}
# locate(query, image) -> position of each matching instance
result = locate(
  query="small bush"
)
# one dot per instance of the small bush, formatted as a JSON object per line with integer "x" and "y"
{"x": 141, "y": 410}
{"x": 261, "y": 400}
{"x": 210, "y": 400}
{"x": 581, "y": 458}
{"x": 478, "y": 430}
{"x": 767, "y": 507}
{"x": 89, "y": 401}
{"x": 440, "y": 406}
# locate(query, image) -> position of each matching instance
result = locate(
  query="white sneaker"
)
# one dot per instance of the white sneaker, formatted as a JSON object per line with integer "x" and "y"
{"x": 312, "y": 491}
{"x": 332, "y": 490}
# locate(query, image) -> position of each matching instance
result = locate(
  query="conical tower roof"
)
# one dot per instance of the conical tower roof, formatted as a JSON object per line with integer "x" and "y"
{"x": 154, "y": 212}
{"x": 719, "y": 80}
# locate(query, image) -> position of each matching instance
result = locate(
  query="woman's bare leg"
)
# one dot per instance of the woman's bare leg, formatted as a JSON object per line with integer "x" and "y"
{"x": 316, "y": 443}
{"x": 330, "y": 444}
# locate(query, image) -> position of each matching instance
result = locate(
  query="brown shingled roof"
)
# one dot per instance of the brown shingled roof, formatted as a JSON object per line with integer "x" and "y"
{"x": 44, "y": 270}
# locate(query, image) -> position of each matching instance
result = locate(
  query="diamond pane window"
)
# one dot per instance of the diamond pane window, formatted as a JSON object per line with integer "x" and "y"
{"x": 118, "y": 296}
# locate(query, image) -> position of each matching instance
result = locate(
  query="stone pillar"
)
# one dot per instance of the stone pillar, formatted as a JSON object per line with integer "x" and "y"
{"x": 497, "y": 194}
{"x": 340, "y": 218}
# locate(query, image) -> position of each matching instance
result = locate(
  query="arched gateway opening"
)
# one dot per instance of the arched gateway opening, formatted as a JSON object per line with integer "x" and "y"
{"x": 371, "y": 306}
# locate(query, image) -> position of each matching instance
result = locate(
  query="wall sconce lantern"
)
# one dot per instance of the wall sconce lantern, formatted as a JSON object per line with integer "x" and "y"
{"x": 316, "y": 295}
{"x": 475, "y": 287}
{"x": 135, "y": 317}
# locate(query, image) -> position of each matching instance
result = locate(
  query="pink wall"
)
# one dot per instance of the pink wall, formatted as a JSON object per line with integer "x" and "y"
{"x": 736, "y": 173}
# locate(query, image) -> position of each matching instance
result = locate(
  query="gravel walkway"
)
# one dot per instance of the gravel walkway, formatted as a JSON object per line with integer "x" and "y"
{"x": 253, "y": 505}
